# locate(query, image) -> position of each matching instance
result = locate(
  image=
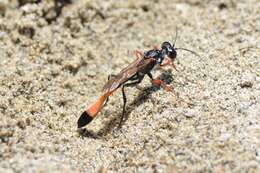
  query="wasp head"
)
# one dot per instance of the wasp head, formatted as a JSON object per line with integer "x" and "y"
{"x": 168, "y": 50}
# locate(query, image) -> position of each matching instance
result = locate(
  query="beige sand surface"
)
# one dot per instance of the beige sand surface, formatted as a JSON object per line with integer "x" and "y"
{"x": 55, "y": 57}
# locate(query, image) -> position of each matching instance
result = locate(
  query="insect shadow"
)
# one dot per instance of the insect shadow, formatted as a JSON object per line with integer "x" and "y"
{"x": 142, "y": 97}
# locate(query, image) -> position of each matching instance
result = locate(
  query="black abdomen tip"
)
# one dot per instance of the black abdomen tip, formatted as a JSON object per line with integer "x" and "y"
{"x": 84, "y": 119}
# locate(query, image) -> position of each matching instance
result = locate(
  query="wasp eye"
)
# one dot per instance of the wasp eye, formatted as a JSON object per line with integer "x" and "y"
{"x": 172, "y": 54}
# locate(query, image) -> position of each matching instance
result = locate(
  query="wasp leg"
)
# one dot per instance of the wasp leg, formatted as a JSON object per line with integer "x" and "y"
{"x": 169, "y": 62}
{"x": 139, "y": 79}
{"x": 150, "y": 76}
{"x": 160, "y": 82}
{"x": 167, "y": 87}
{"x": 109, "y": 76}
{"x": 138, "y": 54}
{"x": 166, "y": 63}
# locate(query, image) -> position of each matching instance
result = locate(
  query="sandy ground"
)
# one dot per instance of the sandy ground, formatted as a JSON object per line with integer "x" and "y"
{"x": 55, "y": 57}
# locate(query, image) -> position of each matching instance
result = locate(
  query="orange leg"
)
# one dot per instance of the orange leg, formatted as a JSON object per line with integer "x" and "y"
{"x": 166, "y": 86}
{"x": 138, "y": 54}
{"x": 169, "y": 87}
{"x": 169, "y": 62}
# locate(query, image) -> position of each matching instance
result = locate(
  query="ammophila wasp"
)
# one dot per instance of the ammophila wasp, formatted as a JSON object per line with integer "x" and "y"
{"x": 132, "y": 75}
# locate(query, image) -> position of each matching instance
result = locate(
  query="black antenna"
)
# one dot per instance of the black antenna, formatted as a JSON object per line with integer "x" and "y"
{"x": 176, "y": 35}
{"x": 188, "y": 51}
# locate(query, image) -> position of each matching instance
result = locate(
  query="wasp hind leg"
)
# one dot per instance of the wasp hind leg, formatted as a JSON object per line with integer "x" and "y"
{"x": 139, "y": 79}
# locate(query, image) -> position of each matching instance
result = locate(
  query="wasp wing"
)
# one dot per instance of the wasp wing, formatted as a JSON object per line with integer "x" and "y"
{"x": 125, "y": 74}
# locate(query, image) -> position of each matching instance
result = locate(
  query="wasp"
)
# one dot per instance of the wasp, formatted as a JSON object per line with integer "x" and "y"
{"x": 131, "y": 76}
